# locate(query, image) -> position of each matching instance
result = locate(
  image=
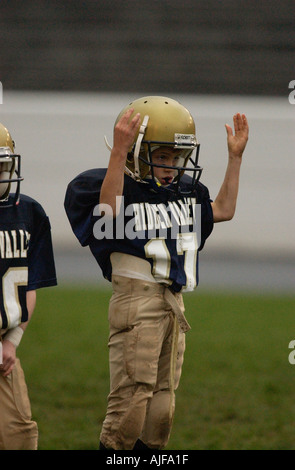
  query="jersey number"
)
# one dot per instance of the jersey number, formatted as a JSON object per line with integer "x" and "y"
{"x": 186, "y": 245}
{"x": 13, "y": 278}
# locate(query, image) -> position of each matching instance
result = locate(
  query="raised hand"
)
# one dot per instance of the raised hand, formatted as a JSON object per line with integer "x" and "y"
{"x": 237, "y": 141}
{"x": 125, "y": 131}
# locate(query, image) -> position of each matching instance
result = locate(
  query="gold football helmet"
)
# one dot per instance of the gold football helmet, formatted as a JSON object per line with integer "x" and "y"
{"x": 9, "y": 163}
{"x": 165, "y": 122}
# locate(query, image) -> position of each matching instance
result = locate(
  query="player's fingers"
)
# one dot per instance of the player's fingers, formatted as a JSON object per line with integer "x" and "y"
{"x": 245, "y": 122}
{"x": 7, "y": 371}
{"x": 237, "y": 122}
{"x": 129, "y": 112}
{"x": 125, "y": 118}
{"x": 135, "y": 120}
{"x": 229, "y": 130}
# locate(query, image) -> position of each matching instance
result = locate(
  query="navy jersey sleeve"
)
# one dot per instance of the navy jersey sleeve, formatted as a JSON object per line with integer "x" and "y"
{"x": 40, "y": 253}
{"x": 81, "y": 197}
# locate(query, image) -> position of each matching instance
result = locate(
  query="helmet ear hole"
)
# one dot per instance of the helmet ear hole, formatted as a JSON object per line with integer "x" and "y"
{"x": 130, "y": 157}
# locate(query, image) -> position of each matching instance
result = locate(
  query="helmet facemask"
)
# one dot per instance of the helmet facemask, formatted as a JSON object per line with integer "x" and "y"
{"x": 186, "y": 163}
{"x": 9, "y": 164}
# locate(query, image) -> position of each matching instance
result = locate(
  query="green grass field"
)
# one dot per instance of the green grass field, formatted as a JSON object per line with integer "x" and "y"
{"x": 237, "y": 387}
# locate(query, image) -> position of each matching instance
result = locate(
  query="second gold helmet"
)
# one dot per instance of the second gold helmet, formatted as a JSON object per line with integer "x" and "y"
{"x": 9, "y": 163}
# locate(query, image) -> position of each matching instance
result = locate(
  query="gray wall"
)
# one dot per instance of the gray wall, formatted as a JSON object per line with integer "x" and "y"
{"x": 192, "y": 46}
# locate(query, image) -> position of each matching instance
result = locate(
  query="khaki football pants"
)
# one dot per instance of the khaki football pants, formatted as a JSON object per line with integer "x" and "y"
{"x": 17, "y": 430}
{"x": 146, "y": 349}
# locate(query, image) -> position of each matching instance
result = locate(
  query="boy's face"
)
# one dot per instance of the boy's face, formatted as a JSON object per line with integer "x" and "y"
{"x": 169, "y": 157}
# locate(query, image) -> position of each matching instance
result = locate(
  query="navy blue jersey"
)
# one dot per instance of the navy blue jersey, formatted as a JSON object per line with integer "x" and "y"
{"x": 26, "y": 257}
{"x": 165, "y": 228}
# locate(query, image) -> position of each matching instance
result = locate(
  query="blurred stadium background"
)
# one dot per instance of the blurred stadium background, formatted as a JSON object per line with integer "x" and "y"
{"x": 67, "y": 69}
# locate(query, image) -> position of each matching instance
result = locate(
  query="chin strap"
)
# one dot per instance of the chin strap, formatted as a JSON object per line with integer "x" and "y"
{"x": 107, "y": 144}
{"x": 138, "y": 146}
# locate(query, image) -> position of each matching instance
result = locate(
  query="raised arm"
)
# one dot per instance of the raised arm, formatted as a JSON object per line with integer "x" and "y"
{"x": 124, "y": 135}
{"x": 224, "y": 205}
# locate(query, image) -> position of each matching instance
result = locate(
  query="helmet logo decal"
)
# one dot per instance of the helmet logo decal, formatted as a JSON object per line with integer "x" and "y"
{"x": 185, "y": 140}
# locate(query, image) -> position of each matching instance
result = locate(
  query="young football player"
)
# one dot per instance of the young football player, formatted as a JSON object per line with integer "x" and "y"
{"x": 145, "y": 218}
{"x": 27, "y": 264}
